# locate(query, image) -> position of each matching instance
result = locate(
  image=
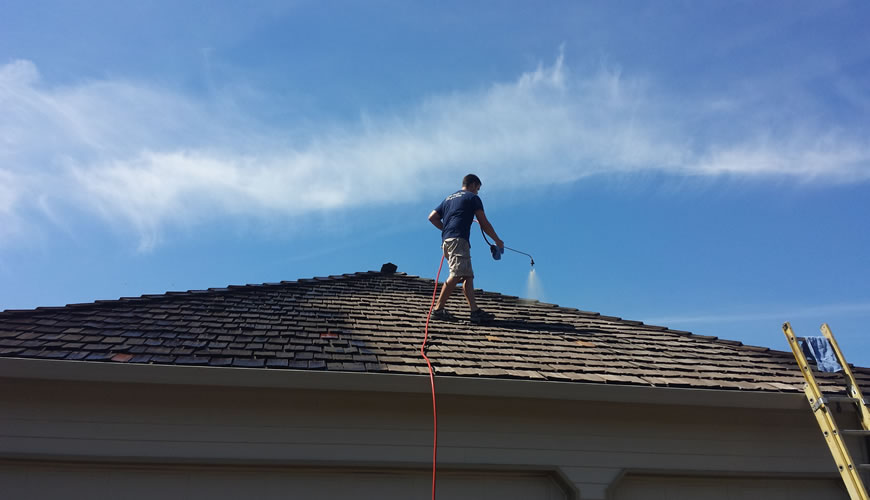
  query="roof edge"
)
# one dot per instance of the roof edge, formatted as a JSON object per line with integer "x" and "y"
{"x": 86, "y": 371}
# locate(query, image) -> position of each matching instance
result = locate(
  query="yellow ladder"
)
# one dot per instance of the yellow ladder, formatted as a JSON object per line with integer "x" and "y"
{"x": 821, "y": 406}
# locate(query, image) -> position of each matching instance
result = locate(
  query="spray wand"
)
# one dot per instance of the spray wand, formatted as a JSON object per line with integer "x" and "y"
{"x": 498, "y": 252}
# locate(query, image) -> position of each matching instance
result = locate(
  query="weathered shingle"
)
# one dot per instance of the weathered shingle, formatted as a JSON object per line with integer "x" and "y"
{"x": 373, "y": 322}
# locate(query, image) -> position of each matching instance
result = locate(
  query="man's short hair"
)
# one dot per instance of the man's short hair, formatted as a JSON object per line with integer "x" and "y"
{"x": 470, "y": 179}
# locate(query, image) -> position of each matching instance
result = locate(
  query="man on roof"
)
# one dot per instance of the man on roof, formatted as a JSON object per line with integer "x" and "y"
{"x": 454, "y": 217}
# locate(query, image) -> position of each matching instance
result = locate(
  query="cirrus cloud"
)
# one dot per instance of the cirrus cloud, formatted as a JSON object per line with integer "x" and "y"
{"x": 147, "y": 157}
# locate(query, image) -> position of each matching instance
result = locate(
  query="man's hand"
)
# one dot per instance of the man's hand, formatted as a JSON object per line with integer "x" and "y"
{"x": 499, "y": 243}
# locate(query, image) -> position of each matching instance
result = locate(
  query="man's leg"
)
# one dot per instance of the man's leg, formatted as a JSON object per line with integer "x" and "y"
{"x": 468, "y": 290}
{"x": 478, "y": 315}
{"x": 446, "y": 290}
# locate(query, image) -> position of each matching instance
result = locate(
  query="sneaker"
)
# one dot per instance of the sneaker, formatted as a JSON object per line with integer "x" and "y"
{"x": 479, "y": 316}
{"x": 442, "y": 315}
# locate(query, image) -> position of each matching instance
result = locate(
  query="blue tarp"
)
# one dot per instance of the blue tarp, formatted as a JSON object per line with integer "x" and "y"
{"x": 818, "y": 349}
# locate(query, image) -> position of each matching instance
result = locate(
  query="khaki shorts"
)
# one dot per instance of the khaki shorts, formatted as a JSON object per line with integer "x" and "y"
{"x": 458, "y": 253}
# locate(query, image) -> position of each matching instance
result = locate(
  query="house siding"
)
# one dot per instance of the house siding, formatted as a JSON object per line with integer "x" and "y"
{"x": 585, "y": 447}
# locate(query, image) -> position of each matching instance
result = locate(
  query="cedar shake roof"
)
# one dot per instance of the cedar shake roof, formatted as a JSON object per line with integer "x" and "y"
{"x": 373, "y": 322}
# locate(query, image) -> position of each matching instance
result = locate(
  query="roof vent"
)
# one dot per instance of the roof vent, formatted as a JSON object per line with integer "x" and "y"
{"x": 388, "y": 268}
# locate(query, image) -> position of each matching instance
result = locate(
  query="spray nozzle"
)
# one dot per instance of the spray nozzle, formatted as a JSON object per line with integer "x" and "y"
{"x": 497, "y": 251}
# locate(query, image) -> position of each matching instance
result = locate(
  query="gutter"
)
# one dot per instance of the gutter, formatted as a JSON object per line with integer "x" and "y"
{"x": 89, "y": 371}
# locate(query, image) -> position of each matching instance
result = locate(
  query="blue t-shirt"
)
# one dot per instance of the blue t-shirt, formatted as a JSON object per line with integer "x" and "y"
{"x": 457, "y": 212}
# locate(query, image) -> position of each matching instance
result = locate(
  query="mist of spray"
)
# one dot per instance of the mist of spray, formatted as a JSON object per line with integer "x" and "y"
{"x": 534, "y": 290}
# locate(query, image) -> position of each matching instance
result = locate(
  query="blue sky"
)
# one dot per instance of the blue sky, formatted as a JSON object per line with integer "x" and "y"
{"x": 701, "y": 165}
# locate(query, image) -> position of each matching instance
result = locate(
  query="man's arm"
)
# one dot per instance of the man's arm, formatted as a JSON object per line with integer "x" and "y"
{"x": 487, "y": 228}
{"x": 435, "y": 219}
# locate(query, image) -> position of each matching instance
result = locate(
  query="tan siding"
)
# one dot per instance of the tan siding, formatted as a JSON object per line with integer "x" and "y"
{"x": 131, "y": 482}
{"x": 587, "y": 443}
{"x": 728, "y": 488}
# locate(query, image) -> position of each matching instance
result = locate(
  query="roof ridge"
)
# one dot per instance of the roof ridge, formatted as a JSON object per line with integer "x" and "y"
{"x": 212, "y": 290}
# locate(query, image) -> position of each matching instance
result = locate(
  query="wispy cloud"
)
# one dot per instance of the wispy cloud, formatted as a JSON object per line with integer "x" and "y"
{"x": 10, "y": 221}
{"x": 779, "y": 316}
{"x": 147, "y": 157}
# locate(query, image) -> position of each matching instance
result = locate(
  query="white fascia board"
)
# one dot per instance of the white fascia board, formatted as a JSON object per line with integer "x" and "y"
{"x": 87, "y": 371}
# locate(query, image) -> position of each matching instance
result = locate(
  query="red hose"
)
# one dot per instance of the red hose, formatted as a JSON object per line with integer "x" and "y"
{"x": 432, "y": 378}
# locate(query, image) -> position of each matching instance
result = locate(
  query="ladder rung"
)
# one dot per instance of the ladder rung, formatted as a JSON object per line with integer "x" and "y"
{"x": 854, "y": 432}
{"x": 839, "y": 399}
{"x": 863, "y": 466}
{"x": 826, "y": 400}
